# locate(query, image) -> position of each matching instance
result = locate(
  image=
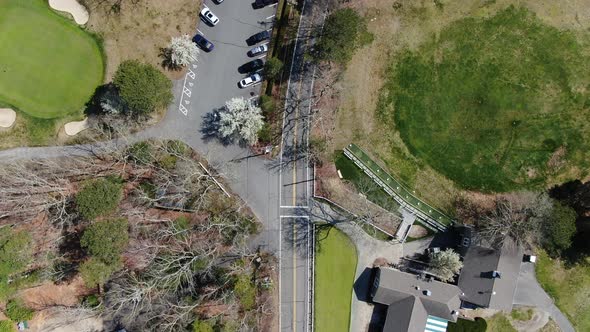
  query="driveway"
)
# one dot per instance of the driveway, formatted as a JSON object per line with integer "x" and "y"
{"x": 530, "y": 293}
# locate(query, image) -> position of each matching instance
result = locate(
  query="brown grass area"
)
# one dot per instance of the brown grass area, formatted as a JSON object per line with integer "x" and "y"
{"x": 140, "y": 28}
{"x": 51, "y": 295}
{"x": 399, "y": 24}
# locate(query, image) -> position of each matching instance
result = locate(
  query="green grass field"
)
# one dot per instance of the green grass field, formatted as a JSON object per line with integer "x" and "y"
{"x": 335, "y": 268}
{"x": 494, "y": 104}
{"x": 569, "y": 286}
{"x": 49, "y": 67}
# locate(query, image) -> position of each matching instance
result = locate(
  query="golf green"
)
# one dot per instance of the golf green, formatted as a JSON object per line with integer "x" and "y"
{"x": 49, "y": 67}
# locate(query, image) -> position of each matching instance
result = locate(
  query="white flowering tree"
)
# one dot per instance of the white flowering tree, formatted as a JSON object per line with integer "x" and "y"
{"x": 240, "y": 118}
{"x": 182, "y": 50}
{"x": 445, "y": 264}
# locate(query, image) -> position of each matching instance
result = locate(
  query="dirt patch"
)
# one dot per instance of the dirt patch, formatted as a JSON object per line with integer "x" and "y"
{"x": 65, "y": 320}
{"x": 538, "y": 320}
{"x": 49, "y": 294}
{"x": 138, "y": 29}
{"x": 417, "y": 231}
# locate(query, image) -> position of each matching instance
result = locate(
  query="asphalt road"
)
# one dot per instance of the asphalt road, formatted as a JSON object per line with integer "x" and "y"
{"x": 296, "y": 182}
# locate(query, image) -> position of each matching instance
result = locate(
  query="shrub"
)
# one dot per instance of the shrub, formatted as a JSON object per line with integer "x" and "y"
{"x": 95, "y": 272}
{"x": 15, "y": 251}
{"x": 202, "y": 326}
{"x": 560, "y": 227}
{"x": 16, "y": 311}
{"x": 245, "y": 291}
{"x": 7, "y": 326}
{"x": 143, "y": 87}
{"x": 344, "y": 31}
{"x": 91, "y": 301}
{"x": 272, "y": 68}
{"x": 463, "y": 325}
{"x": 98, "y": 197}
{"x": 141, "y": 152}
{"x": 106, "y": 240}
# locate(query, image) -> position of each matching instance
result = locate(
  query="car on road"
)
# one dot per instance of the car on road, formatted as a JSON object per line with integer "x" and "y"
{"x": 263, "y": 3}
{"x": 263, "y": 48}
{"x": 203, "y": 43}
{"x": 218, "y": 1}
{"x": 208, "y": 16}
{"x": 257, "y": 38}
{"x": 251, "y": 66}
{"x": 250, "y": 80}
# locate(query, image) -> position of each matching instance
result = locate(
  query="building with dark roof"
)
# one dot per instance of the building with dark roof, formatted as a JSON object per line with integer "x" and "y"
{"x": 488, "y": 278}
{"x": 415, "y": 304}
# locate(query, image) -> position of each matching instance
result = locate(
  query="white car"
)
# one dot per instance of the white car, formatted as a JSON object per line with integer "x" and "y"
{"x": 208, "y": 15}
{"x": 258, "y": 50}
{"x": 246, "y": 82}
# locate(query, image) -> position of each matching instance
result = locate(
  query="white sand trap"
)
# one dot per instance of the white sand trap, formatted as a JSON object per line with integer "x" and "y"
{"x": 73, "y": 128}
{"x": 7, "y": 117}
{"x": 73, "y": 7}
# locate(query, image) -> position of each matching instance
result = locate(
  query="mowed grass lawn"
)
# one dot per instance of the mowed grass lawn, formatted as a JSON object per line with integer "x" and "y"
{"x": 335, "y": 267}
{"x": 49, "y": 67}
{"x": 495, "y": 104}
{"x": 569, "y": 286}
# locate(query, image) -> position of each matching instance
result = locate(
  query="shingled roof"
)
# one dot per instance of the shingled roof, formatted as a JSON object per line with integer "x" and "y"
{"x": 412, "y": 299}
{"x": 489, "y": 276}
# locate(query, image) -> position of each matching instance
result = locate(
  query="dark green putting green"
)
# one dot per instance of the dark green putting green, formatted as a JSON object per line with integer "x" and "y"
{"x": 495, "y": 104}
{"x": 49, "y": 67}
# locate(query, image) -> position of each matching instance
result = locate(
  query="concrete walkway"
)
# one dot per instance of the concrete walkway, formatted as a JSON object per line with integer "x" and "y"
{"x": 530, "y": 293}
{"x": 368, "y": 250}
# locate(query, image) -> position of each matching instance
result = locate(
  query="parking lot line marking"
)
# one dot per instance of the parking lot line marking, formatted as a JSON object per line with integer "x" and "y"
{"x": 262, "y": 56}
{"x": 253, "y": 97}
{"x": 201, "y": 32}
{"x": 271, "y": 16}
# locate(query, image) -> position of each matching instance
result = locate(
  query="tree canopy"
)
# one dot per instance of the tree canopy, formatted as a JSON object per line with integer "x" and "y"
{"x": 344, "y": 31}
{"x": 98, "y": 197}
{"x": 445, "y": 264}
{"x": 559, "y": 229}
{"x": 105, "y": 240}
{"x": 142, "y": 86}
{"x": 272, "y": 68}
{"x": 240, "y": 118}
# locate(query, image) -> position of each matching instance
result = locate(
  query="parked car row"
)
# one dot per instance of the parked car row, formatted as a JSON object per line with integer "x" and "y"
{"x": 252, "y": 68}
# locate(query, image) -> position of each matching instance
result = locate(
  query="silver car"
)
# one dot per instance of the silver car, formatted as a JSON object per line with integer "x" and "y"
{"x": 250, "y": 80}
{"x": 258, "y": 50}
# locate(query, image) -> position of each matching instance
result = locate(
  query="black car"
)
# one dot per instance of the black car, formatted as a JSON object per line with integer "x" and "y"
{"x": 251, "y": 66}
{"x": 257, "y": 38}
{"x": 263, "y": 3}
{"x": 203, "y": 43}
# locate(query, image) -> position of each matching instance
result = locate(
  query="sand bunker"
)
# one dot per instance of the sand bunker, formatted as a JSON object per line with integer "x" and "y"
{"x": 7, "y": 117}
{"x": 73, "y": 7}
{"x": 73, "y": 128}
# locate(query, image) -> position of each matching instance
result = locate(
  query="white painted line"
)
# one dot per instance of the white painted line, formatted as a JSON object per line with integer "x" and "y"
{"x": 304, "y": 217}
{"x": 262, "y": 56}
{"x": 294, "y": 207}
{"x": 253, "y": 97}
{"x": 271, "y": 16}
{"x": 201, "y": 32}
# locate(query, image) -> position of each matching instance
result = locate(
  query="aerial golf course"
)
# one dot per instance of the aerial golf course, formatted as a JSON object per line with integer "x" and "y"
{"x": 49, "y": 66}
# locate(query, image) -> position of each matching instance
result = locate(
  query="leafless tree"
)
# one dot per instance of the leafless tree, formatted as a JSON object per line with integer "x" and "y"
{"x": 517, "y": 216}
